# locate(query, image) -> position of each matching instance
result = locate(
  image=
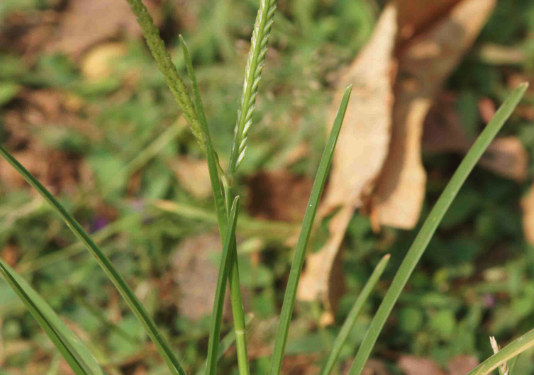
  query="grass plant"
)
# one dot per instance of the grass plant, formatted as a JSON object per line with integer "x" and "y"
{"x": 226, "y": 215}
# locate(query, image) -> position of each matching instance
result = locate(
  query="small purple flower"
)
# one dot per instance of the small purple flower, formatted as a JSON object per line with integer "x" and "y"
{"x": 98, "y": 223}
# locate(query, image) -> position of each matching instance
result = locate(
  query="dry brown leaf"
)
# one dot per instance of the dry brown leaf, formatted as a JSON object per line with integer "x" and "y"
{"x": 527, "y": 204}
{"x": 97, "y": 63}
{"x": 418, "y": 366}
{"x": 10, "y": 255}
{"x": 459, "y": 365}
{"x": 374, "y": 367}
{"x": 363, "y": 142}
{"x": 193, "y": 175}
{"x": 506, "y": 157}
{"x": 278, "y": 195}
{"x": 361, "y": 150}
{"x": 323, "y": 277}
{"x": 462, "y": 364}
{"x": 196, "y": 275}
{"x": 85, "y": 23}
{"x": 444, "y": 132}
{"x": 416, "y": 15}
{"x": 423, "y": 66}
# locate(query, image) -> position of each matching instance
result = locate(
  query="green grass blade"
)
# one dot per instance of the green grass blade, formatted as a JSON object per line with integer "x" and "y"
{"x": 220, "y": 204}
{"x": 222, "y": 278}
{"x": 131, "y": 299}
{"x": 510, "y": 351}
{"x": 213, "y": 163}
{"x": 353, "y": 314}
{"x": 429, "y": 227}
{"x": 80, "y": 360}
{"x": 166, "y": 66}
{"x": 238, "y": 314}
{"x": 300, "y": 251}
{"x": 255, "y": 62}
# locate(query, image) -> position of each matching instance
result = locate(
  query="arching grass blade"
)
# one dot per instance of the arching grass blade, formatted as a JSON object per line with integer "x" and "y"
{"x": 222, "y": 205}
{"x": 80, "y": 360}
{"x": 353, "y": 314}
{"x": 507, "y": 353}
{"x": 131, "y": 299}
{"x": 302, "y": 243}
{"x": 431, "y": 223}
{"x": 218, "y": 303}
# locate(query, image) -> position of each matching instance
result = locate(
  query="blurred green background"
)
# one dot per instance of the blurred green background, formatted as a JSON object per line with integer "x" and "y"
{"x": 84, "y": 108}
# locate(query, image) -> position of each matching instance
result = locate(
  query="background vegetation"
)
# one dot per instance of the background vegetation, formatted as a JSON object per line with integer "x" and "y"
{"x": 85, "y": 109}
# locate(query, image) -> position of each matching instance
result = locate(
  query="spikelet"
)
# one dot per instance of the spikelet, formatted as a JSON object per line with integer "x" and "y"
{"x": 255, "y": 63}
{"x": 495, "y": 347}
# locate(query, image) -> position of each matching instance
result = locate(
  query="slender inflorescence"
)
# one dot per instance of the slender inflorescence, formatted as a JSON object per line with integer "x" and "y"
{"x": 165, "y": 64}
{"x": 255, "y": 62}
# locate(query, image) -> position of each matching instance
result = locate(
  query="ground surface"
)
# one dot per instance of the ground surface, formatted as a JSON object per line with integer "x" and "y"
{"x": 84, "y": 108}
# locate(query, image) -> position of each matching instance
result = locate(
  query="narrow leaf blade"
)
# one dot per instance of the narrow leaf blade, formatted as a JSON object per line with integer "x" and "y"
{"x": 302, "y": 243}
{"x": 80, "y": 360}
{"x": 510, "y": 351}
{"x": 353, "y": 314}
{"x": 431, "y": 223}
{"x": 122, "y": 286}
{"x": 218, "y": 304}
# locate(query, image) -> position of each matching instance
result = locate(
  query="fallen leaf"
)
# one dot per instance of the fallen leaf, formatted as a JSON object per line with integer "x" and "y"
{"x": 423, "y": 66}
{"x": 278, "y": 195}
{"x": 303, "y": 364}
{"x": 97, "y": 63}
{"x": 322, "y": 278}
{"x": 374, "y": 367}
{"x": 462, "y": 364}
{"x": 363, "y": 142}
{"x": 360, "y": 153}
{"x": 527, "y": 204}
{"x": 418, "y": 366}
{"x": 193, "y": 175}
{"x": 77, "y": 31}
{"x": 444, "y": 132}
{"x": 10, "y": 255}
{"x": 506, "y": 157}
{"x": 196, "y": 275}
{"x": 416, "y": 15}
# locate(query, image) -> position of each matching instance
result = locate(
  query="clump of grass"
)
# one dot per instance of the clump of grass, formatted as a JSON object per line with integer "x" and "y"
{"x": 226, "y": 207}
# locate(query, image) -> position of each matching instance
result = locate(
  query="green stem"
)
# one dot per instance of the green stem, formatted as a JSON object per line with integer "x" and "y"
{"x": 353, "y": 314}
{"x": 510, "y": 351}
{"x": 218, "y": 304}
{"x": 222, "y": 208}
{"x": 431, "y": 223}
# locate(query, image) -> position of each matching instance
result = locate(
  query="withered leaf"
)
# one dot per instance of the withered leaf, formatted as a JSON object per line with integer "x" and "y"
{"x": 422, "y": 68}
{"x": 193, "y": 175}
{"x": 85, "y": 23}
{"x": 323, "y": 276}
{"x": 363, "y": 142}
{"x": 527, "y": 204}
{"x": 196, "y": 275}
{"x": 361, "y": 150}
{"x": 418, "y": 366}
{"x": 444, "y": 132}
